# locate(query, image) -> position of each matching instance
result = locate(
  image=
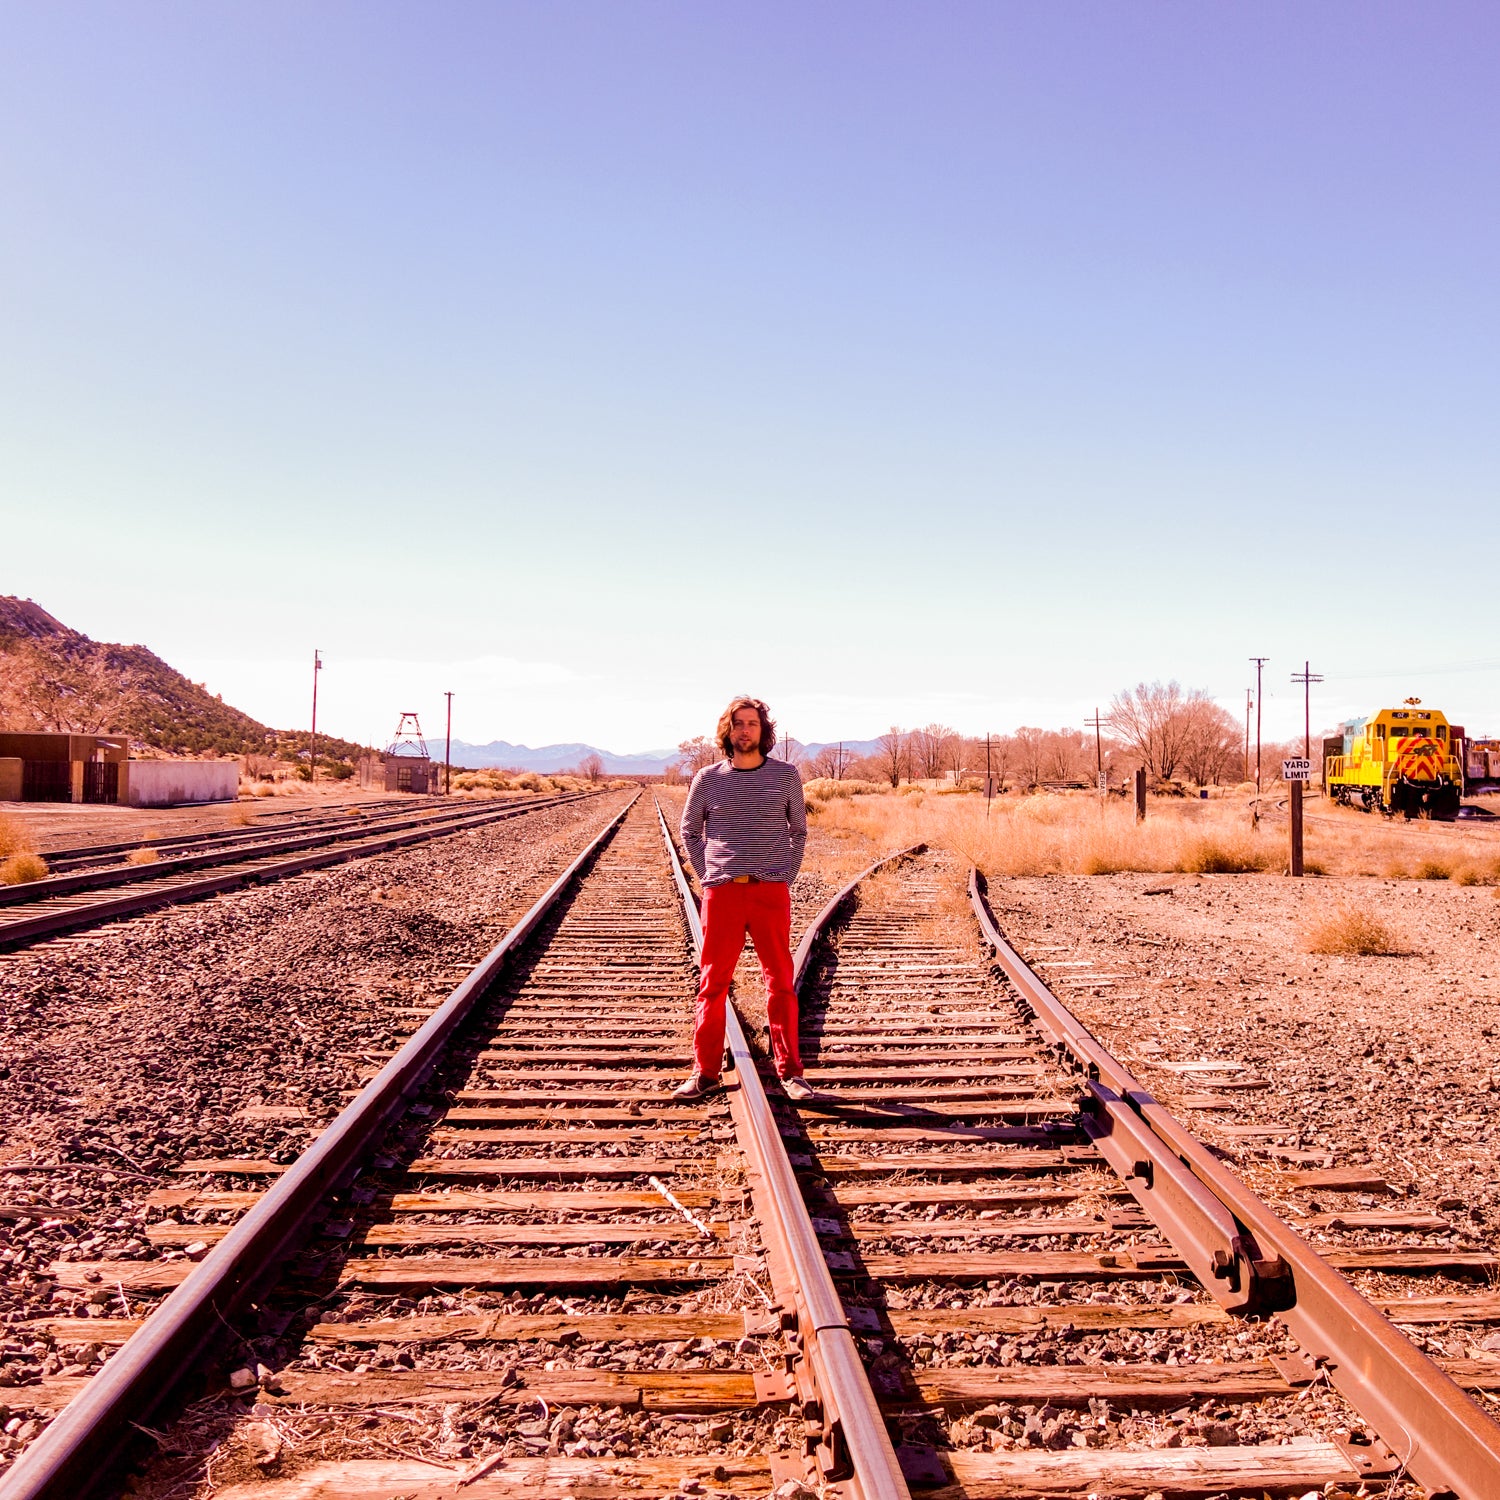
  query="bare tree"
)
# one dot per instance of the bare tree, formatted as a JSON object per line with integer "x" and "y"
{"x": 826, "y": 764}
{"x": 1213, "y": 743}
{"x": 695, "y": 754}
{"x": 1155, "y": 721}
{"x": 932, "y": 750}
{"x": 591, "y": 768}
{"x": 892, "y": 756}
{"x": 1031, "y": 750}
{"x": 1064, "y": 754}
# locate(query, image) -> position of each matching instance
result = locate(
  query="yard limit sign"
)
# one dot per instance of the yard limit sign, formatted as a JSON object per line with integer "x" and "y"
{"x": 1296, "y": 772}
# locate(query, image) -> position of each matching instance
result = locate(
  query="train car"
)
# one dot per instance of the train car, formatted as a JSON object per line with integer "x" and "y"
{"x": 1400, "y": 760}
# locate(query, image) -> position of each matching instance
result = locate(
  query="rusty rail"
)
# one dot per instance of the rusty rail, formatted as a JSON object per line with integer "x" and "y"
{"x": 74, "y": 1453}
{"x": 1435, "y": 1431}
{"x": 851, "y": 1439}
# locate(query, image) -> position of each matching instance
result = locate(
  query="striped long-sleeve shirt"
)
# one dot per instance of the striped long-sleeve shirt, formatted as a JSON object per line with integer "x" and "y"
{"x": 745, "y": 822}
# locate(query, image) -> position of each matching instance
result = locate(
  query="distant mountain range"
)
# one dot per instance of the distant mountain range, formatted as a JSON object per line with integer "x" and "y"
{"x": 565, "y": 757}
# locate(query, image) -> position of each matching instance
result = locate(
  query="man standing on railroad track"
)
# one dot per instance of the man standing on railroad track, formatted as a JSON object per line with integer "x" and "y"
{"x": 744, "y": 826}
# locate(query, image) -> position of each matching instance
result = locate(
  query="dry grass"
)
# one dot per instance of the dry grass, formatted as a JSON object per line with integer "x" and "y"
{"x": 15, "y": 838}
{"x": 142, "y": 857}
{"x": 18, "y": 869}
{"x": 1353, "y": 932}
{"x": 1076, "y": 834}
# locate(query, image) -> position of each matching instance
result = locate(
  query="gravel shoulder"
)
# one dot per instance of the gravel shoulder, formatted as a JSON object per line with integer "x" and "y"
{"x": 1389, "y": 1062}
{"x": 230, "y": 1027}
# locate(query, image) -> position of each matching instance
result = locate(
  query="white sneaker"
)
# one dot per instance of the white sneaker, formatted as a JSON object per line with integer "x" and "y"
{"x": 797, "y": 1088}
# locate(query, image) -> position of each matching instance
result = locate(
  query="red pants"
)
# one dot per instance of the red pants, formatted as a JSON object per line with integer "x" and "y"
{"x": 765, "y": 909}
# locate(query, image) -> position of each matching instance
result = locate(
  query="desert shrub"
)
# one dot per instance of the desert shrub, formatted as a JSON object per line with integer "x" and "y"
{"x": 14, "y": 838}
{"x": 266, "y": 789}
{"x": 18, "y": 869}
{"x": 1350, "y": 930}
{"x": 1433, "y": 868}
{"x": 142, "y": 857}
{"x": 529, "y": 781}
{"x": 1227, "y": 856}
{"x": 825, "y": 788}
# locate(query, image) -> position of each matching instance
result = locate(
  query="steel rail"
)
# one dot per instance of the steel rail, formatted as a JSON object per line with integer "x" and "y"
{"x": 853, "y": 1440}
{"x": 1437, "y": 1434}
{"x": 257, "y": 844}
{"x": 73, "y": 1455}
{"x": 283, "y": 822}
{"x": 249, "y": 871}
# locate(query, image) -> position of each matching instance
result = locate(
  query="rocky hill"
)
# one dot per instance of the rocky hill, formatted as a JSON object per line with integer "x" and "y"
{"x": 54, "y": 677}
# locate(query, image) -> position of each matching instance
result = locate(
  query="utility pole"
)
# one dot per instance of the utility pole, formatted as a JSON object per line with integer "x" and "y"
{"x": 312, "y": 754}
{"x": 1096, "y": 722}
{"x": 989, "y": 780}
{"x": 1249, "y": 694}
{"x": 1307, "y": 677}
{"x": 1260, "y": 662}
{"x": 448, "y": 749}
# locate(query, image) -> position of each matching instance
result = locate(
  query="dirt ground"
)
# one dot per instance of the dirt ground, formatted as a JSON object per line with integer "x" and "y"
{"x": 1391, "y": 1062}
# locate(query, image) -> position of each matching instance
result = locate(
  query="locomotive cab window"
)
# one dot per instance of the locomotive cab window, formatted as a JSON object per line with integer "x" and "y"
{"x": 1442, "y": 731}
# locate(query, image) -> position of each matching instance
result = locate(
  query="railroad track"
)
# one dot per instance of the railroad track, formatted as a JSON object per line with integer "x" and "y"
{"x": 84, "y": 856}
{"x": 512, "y": 1255}
{"x": 84, "y": 898}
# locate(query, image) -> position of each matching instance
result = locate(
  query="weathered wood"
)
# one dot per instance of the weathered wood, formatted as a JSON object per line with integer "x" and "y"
{"x": 467, "y": 1234}
{"x": 563, "y": 1131}
{"x": 1426, "y": 1223}
{"x": 565, "y": 1111}
{"x": 973, "y": 1194}
{"x": 642, "y": 1164}
{"x": 426, "y": 1271}
{"x": 1048, "y": 1265}
{"x": 958, "y": 1162}
{"x": 461, "y": 1200}
{"x": 937, "y": 1134}
{"x": 1477, "y": 1309}
{"x": 1174, "y": 1473}
{"x": 1073, "y": 1385}
{"x": 1337, "y": 1179}
{"x": 674, "y": 1390}
{"x": 475, "y": 1328}
{"x": 1090, "y": 1316}
{"x": 974, "y": 1229}
{"x": 541, "y": 1270}
{"x": 1410, "y": 1258}
{"x": 540, "y": 1478}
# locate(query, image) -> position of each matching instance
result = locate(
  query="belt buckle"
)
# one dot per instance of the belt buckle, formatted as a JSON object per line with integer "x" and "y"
{"x": 741, "y": 880}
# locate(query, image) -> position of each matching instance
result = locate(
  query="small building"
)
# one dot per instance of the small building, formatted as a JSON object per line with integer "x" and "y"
{"x": 406, "y": 765}
{"x": 46, "y": 767}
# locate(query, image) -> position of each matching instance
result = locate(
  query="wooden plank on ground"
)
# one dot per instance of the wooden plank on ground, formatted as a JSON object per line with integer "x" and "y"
{"x": 460, "y": 1200}
{"x": 467, "y": 1234}
{"x": 1050, "y": 1265}
{"x": 1086, "y": 1316}
{"x": 673, "y": 1390}
{"x": 426, "y": 1271}
{"x": 1173, "y": 1473}
{"x": 1338, "y": 1179}
{"x": 541, "y": 1478}
{"x": 474, "y": 1328}
{"x": 1073, "y": 1385}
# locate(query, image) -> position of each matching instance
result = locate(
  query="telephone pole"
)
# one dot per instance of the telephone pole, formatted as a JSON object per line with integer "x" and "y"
{"x": 448, "y": 749}
{"x": 1249, "y": 694}
{"x": 312, "y": 753}
{"x": 1095, "y": 723}
{"x": 1307, "y": 678}
{"x": 1260, "y": 662}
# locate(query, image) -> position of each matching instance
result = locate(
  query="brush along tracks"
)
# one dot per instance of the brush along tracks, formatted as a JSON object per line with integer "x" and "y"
{"x": 512, "y": 1260}
{"x": 1059, "y": 1291}
{"x": 67, "y": 902}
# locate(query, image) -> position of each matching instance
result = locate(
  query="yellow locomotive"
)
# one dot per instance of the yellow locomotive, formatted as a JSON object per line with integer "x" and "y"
{"x": 1401, "y": 760}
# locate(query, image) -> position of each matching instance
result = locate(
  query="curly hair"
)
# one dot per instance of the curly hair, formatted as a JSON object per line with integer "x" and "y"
{"x": 726, "y": 723}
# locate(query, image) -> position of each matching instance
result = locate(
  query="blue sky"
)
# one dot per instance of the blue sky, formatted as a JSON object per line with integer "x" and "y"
{"x": 897, "y": 363}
